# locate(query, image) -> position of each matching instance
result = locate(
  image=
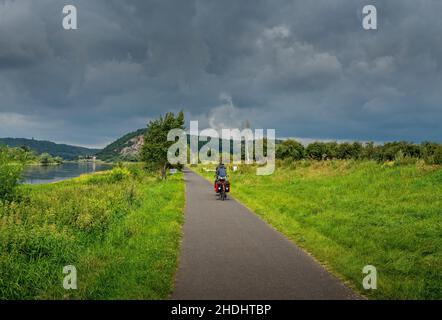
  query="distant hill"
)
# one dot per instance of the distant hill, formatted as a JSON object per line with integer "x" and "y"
{"x": 125, "y": 148}
{"x": 65, "y": 151}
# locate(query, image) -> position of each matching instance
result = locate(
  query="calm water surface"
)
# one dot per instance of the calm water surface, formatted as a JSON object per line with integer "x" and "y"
{"x": 48, "y": 174}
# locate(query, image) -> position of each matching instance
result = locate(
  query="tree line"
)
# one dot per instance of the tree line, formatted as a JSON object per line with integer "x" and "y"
{"x": 154, "y": 150}
{"x": 430, "y": 152}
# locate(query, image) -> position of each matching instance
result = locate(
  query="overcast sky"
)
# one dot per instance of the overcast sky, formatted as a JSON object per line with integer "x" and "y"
{"x": 306, "y": 68}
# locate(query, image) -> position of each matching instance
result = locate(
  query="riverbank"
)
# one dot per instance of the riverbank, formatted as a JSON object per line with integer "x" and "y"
{"x": 349, "y": 214}
{"x": 36, "y": 163}
{"x": 121, "y": 230}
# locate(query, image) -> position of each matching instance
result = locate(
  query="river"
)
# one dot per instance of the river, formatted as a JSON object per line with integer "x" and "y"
{"x": 54, "y": 173}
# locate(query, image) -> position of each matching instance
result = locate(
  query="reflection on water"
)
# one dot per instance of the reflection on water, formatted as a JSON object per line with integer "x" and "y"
{"x": 47, "y": 174}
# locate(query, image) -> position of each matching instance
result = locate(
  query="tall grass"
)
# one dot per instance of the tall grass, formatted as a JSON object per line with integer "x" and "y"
{"x": 120, "y": 229}
{"x": 349, "y": 214}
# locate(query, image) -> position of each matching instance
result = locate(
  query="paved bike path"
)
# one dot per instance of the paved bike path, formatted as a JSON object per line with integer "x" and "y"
{"x": 230, "y": 253}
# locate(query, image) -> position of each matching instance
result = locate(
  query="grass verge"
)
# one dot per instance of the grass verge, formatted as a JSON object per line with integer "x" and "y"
{"x": 120, "y": 229}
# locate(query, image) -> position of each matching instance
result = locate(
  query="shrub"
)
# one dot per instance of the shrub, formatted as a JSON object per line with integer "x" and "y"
{"x": 58, "y": 160}
{"x": 290, "y": 149}
{"x": 432, "y": 152}
{"x": 11, "y": 167}
{"x": 370, "y": 151}
{"x": 437, "y": 157}
{"x": 349, "y": 151}
{"x": 317, "y": 151}
{"x": 389, "y": 150}
{"x": 118, "y": 174}
{"x": 46, "y": 158}
{"x": 332, "y": 150}
{"x": 402, "y": 159}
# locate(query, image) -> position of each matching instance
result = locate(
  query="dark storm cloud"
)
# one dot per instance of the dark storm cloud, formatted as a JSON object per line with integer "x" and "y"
{"x": 306, "y": 68}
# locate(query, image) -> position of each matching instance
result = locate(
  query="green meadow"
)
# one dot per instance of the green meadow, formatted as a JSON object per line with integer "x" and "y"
{"x": 349, "y": 214}
{"x": 121, "y": 230}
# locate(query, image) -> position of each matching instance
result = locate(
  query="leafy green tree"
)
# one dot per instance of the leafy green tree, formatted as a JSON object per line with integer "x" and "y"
{"x": 331, "y": 150}
{"x": 357, "y": 150}
{"x": 316, "y": 151}
{"x": 45, "y": 159}
{"x": 58, "y": 160}
{"x": 349, "y": 150}
{"x": 391, "y": 150}
{"x": 431, "y": 152}
{"x": 370, "y": 151}
{"x": 437, "y": 158}
{"x": 290, "y": 149}
{"x": 155, "y": 147}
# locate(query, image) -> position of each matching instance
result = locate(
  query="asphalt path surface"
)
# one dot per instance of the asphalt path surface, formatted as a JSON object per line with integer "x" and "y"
{"x": 228, "y": 252}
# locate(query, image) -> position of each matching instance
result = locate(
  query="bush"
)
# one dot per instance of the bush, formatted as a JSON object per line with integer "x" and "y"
{"x": 331, "y": 150}
{"x": 402, "y": 159}
{"x": 370, "y": 151}
{"x": 290, "y": 149}
{"x": 118, "y": 174}
{"x": 11, "y": 167}
{"x": 437, "y": 157}
{"x": 115, "y": 175}
{"x": 432, "y": 152}
{"x": 390, "y": 150}
{"x": 349, "y": 151}
{"x": 58, "y": 160}
{"x": 46, "y": 159}
{"x": 317, "y": 151}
